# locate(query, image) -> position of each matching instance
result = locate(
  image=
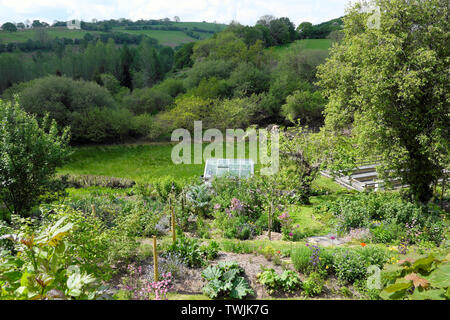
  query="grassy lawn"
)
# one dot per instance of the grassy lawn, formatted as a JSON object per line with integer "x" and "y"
{"x": 141, "y": 163}
{"x": 307, "y": 44}
{"x": 167, "y": 38}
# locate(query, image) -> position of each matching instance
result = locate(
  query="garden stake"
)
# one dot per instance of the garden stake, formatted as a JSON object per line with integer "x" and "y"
{"x": 270, "y": 220}
{"x": 155, "y": 260}
{"x": 174, "y": 235}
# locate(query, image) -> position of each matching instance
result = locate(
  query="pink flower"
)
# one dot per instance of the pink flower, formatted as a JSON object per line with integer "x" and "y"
{"x": 217, "y": 206}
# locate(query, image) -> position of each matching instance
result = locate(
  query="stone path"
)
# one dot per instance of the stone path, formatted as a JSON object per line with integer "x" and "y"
{"x": 326, "y": 241}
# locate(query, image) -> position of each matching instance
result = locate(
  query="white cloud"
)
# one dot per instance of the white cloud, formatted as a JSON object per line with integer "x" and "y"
{"x": 245, "y": 11}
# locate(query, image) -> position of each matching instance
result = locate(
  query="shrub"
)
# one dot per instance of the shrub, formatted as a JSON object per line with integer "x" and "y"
{"x": 384, "y": 233}
{"x": 351, "y": 264}
{"x": 86, "y": 107}
{"x": 313, "y": 285}
{"x": 225, "y": 280}
{"x": 167, "y": 185}
{"x": 31, "y": 153}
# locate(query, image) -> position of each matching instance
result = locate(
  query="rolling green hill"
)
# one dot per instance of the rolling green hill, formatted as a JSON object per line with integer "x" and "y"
{"x": 173, "y": 38}
{"x": 60, "y": 32}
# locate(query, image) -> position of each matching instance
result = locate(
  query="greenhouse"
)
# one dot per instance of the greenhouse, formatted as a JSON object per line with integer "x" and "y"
{"x": 233, "y": 167}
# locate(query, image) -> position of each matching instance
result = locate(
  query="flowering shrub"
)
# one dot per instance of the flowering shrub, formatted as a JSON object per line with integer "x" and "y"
{"x": 286, "y": 225}
{"x": 311, "y": 258}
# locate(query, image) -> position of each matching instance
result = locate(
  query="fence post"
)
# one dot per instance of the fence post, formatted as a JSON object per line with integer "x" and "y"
{"x": 155, "y": 260}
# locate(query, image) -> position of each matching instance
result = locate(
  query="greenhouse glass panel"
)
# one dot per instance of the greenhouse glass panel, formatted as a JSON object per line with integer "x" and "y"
{"x": 241, "y": 168}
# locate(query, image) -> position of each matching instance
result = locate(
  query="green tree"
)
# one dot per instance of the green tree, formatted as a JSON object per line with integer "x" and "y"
{"x": 304, "y": 30}
{"x": 30, "y": 154}
{"x": 389, "y": 88}
{"x": 10, "y": 27}
{"x": 305, "y": 105}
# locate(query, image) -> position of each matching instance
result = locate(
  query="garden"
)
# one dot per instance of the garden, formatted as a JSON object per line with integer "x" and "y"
{"x": 84, "y": 219}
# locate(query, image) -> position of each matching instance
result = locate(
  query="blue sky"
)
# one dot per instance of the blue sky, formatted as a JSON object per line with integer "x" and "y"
{"x": 244, "y": 11}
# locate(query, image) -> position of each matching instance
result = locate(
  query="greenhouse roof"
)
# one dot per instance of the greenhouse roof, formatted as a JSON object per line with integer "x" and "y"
{"x": 241, "y": 168}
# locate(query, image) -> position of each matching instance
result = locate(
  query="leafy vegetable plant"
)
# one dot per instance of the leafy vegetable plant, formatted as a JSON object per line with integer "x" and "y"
{"x": 427, "y": 278}
{"x": 225, "y": 280}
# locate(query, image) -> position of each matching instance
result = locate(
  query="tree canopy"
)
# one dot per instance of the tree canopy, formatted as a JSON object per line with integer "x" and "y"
{"x": 388, "y": 90}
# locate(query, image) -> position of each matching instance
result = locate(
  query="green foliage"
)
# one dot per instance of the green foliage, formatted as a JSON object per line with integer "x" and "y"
{"x": 403, "y": 118}
{"x": 199, "y": 197}
{"x": 426, "y": 278}
{"x": 8, "y": 26}
{"x": 30, "y": 154}
{"x": 40, "y": 270}
{"x": 351, "y": 264}
{"x": 194, "y": 255}
{"x": 313, "y": 285}
{"x": 300, "y": 257}
{"x": 225, "y": 280}
{"x": 289, "y": 281}
{"x": 166, "y": 187}
{"x": 304, "y": 105}
{"x": 183, "y": 56}
{"x": 396, "y": 217}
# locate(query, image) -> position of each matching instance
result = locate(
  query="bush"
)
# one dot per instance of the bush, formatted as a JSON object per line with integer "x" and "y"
{"x": 86, "y": 107}
{"x": 313, "y": 285}
{"x": 351, "y": 264}
{"x": 31, "y": 152}
{"x": 167, "y": 185}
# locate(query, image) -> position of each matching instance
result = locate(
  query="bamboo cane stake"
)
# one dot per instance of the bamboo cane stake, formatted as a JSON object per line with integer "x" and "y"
{"x": 155, "y": 260}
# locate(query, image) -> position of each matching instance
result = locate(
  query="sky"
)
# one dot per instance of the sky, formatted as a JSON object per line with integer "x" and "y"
{"x": 223, "y": 11}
